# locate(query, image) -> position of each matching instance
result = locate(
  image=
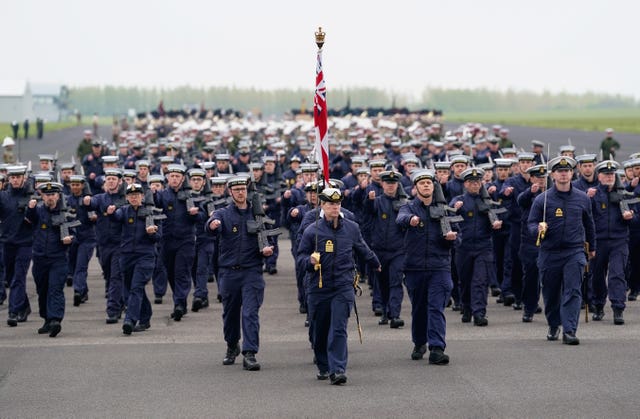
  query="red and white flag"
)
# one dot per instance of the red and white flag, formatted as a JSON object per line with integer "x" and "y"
{"x": 320, "y": 120}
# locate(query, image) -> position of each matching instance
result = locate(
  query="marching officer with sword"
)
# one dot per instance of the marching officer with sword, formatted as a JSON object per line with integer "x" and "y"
{"x": 562, "y": 217}
{"x": 326, "y": 252}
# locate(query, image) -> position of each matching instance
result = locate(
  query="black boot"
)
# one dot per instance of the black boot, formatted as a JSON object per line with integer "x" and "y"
{"x": 617, "y": 317}
{"x": 249, "y": 362}
{"x": 598, "y": 314}
{"x": 438, "y": 357}
{"x": 232, "y": 353}
{"x": 418, "y": 352}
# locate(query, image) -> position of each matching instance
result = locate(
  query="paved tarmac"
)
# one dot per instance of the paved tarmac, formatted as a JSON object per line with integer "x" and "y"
{"x": 175, "y": 369}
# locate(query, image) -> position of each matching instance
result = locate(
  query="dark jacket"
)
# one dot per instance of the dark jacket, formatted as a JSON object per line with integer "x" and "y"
{"x": 424, "y": 246}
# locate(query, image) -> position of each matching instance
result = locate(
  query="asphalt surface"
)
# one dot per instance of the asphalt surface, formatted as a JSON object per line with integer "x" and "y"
{"x": 174, "y": 369}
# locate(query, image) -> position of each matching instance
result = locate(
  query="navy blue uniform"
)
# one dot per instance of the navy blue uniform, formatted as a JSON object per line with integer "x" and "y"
{"x": 330, "y": 306}
{"x": 92, "y": 165}
{"x": 561, "y": 260}
{"x": 501, "y": 244}
{"x": 137, "y": 260}
{"x": 633, "y": 274}
{"x": 108, "y": 233}
{"x": 427, "y": 269}
{"x": 240, "y": 281}
{"x": 474, "y": 255}
{"x": 529, "y": 255}
{"x": 81, "y": 249}
{"x": 202, "y": 265}
{"x": 49, "y": 262}
{"x": 612, "y": 236}
{"x": 178, "y": 243}
{"x": 512, "y": 277}
{"x": 294, "y": 227}
{"x": 383, "y": 211}
{"x": 17, "y": 237}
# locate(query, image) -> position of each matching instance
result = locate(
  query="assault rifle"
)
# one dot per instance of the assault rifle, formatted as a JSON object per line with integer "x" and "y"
{"x": 149, "y": 212}
{"x": 64, "y": 219}
{"x": 441, "y": 210}
{"x": 621, "y": 196}
{"x": 489, "y": 206}
{"x": 259, "y": 224}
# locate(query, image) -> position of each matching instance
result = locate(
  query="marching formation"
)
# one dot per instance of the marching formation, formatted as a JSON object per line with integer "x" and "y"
{"x": 452, "y": 216}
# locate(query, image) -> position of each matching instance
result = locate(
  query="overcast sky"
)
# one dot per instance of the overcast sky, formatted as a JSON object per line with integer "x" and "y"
{"x": 399, "y": 45}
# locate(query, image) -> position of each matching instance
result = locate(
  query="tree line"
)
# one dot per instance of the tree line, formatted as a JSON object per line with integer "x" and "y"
{"x": 117, "y": 100}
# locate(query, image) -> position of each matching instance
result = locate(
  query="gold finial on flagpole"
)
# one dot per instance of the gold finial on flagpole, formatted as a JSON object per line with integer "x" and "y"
{"x": 320, "y": 37}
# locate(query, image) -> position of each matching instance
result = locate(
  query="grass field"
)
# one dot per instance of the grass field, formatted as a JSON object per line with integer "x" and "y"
{"x": 622, "y": 120}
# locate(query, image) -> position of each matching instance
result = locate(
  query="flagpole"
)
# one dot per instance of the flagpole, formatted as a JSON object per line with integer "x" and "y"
{"x": 319, "y": 102}
{"x": 320, "y": 111}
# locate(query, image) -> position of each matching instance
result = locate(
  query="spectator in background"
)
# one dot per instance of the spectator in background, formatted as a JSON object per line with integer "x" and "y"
{"x": 25, "y": 126}
{"x": 608, "y": 146}
{"x": 40, "y": 127}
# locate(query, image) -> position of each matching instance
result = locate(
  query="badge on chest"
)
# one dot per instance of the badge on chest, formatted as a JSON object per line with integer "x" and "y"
{"x": 559, "y": 212}
{"x": 328, "y": 247}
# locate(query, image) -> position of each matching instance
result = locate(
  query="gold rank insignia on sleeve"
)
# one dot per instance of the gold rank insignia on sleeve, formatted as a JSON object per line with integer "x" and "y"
{"x": 559, "y": 212}
{"x": 328, "y": 247}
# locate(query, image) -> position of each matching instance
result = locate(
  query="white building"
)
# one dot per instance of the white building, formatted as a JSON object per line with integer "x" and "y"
{"x": 16, "y": 102}
{"x": 20, "y": 100}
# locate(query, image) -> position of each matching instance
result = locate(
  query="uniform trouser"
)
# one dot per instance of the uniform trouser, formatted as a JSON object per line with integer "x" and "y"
{"x": 242, "y": 292}
{"x": 389, "y": 282}
{"x": 3, "y": 291}
{"x": 178, "y": 260}
{"x": 159, "y": 275}
{"x": 272, "y": 260}
{"x": 50, "y": 275}
{"x": 79, "y": 265}
{"x": 329, "y": 311}
{"x": 136, "y": 271}
{"x": 16, "y": 262}
{"x": 512, "y": 284}
{"x": 634, "y": 263}
{"x": 110, "y": 262}
{"x": 561, "y": 278}
{"x": 530, "y": 279}
{"x": 608, "y": 267}
{"x": 429, "y": 292}
{"x": 501, "y": 251}
{"x": 201, "y": 266}
{"x": 300, "y": 284}
{"x": 455, "y": 291}
{"x": 474, "y": 271}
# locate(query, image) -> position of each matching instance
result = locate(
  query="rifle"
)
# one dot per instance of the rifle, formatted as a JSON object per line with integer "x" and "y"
{"x": 621, "y": 196}
{"x": 441, "y": 210}
{"x": 488, "y": 206}
{"x": 149, "y": 212}
{"x": 193, "y": 200}
{"x": 258, "y": 225}
{"x": 65, "y": 220}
